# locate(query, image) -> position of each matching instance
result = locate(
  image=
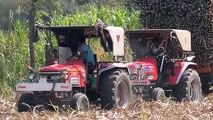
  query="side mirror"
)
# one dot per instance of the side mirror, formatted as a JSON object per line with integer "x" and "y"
{"x": 35, "y": 31}
{"x": 47, "y": 19}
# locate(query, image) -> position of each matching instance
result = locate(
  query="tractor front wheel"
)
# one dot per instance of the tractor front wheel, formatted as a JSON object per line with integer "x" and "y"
{"x": 189, "y": 87}
{"x": 115, "y": 90}
{"x": 80, "y": 102}
{"x": 158, "y": 94}
{"x": 26, "y": 101}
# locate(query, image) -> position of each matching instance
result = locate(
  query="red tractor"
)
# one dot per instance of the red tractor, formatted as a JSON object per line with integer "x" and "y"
{"x": 70, "y": 81}
{"x": 163, "y": 64}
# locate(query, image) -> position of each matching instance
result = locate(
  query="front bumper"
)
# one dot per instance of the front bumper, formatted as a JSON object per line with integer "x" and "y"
{"x": 43, "y": 85}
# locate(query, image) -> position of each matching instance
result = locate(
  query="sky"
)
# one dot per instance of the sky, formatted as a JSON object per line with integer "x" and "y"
{"x": 6, "y": 6}
{"x": 12, "y": 3}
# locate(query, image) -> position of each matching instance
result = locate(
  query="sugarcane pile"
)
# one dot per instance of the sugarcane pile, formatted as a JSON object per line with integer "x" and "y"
{"x": 193, "y": 15}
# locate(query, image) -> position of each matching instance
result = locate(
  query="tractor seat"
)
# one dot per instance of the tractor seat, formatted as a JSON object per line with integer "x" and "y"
{"x": 64, "y": 54}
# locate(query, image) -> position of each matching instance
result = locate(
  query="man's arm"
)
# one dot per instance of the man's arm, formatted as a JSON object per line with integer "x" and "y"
{"x": 160, "y": 49}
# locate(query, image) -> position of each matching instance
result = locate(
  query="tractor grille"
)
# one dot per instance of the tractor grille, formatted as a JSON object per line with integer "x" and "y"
{"x": 137, "y": 74}
{"x": 52, "y": 76}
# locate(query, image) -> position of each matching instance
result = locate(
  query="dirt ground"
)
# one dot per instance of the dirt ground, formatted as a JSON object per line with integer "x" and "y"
{"x": 139, "y": 110}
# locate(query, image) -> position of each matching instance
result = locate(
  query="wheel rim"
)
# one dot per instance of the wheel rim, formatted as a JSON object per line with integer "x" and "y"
{"x": 194, "y": 91}
{"x": 122, "y": 95}
{"x": 161, "y": 96}
{"x": 83, "y": 105}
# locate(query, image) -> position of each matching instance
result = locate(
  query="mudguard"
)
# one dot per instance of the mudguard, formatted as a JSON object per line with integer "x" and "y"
{"x": 107, "y": 67}
{"x": 179, "y": 69}
{"x": 114, "y": 65}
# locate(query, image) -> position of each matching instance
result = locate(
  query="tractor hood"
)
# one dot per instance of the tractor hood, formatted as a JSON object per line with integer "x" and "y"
{"x": 147, "y": 61}
{"x": 70, "y": 65}
{"x": 144, "y": 67}
{"x": 144, "y": 62}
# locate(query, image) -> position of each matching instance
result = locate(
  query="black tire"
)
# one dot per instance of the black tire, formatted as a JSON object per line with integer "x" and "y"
{"x": 205, "y": 81}
{"x": 115, "y": 90}
{"x": 189, "y": 87}
{"x": 26, "y": 101}
{"x": 158, "y": 94}
{"x": 80, "y": 102}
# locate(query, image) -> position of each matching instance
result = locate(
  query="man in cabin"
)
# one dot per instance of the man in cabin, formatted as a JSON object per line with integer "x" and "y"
{"x": 157, "y": 47}
{"x": 87, "y": 54}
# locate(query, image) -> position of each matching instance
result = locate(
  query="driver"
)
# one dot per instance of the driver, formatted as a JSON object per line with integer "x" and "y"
{"x": 65, "y": 52}
{"x": 157, "y": 47}
{"x": 87, "y": 54}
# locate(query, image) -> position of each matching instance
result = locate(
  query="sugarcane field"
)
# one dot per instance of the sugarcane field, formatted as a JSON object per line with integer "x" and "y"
{"x": 106, "y": 60}
{"x": 137, "y": 111}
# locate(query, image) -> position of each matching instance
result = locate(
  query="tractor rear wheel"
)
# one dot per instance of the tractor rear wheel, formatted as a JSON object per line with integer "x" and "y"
{"x": 158, "y": 94}
{"x": 115, "y": 90}
{"x": 189, "y": 87}
{"x": 80, "y": 102}
{"x": 26, "y": 101}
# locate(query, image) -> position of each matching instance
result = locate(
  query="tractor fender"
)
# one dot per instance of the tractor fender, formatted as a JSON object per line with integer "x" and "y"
{"x": 180, "y": 68}
{"x": 108, "y": 68}
{"x": 115, "y": 65}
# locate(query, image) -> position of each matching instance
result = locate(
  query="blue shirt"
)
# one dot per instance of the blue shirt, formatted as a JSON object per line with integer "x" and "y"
{"x": 90, "y": 57}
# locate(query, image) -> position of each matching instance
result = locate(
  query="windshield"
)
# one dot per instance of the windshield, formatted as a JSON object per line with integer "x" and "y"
{"x": 138, "y": 46}
{"x": 141, "y": 43}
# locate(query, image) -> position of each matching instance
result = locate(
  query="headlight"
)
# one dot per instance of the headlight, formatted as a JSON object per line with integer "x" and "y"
{"x": 64, "y": 75}
{"x": 150, "y": 77}
{"x": 32, "y": 76}
{"x": 74, "y": 80}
